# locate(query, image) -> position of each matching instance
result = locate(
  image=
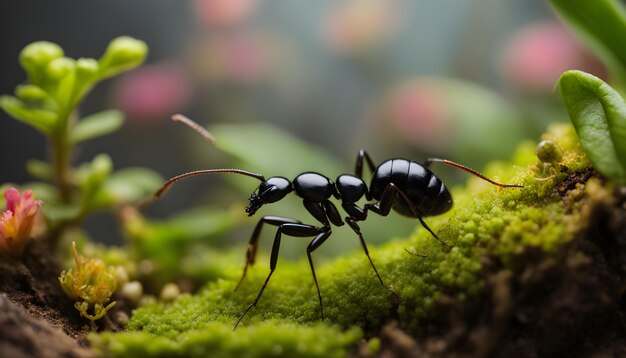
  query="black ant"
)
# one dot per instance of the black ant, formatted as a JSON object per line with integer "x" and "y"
{"x": 409, "y": 188}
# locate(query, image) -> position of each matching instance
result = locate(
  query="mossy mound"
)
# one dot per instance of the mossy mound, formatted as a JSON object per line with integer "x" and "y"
{"x": 492, "y": 236}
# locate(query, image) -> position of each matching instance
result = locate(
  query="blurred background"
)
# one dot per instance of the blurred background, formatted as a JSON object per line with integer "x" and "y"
{"x": 291, "y": 86}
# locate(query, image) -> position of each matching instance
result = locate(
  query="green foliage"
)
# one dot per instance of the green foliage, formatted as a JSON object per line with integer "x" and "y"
{"x": 48, "y": 101}
{"x": 184, "y": 245}
{"x": 485, "y": 222}
{"x": 57, "y": 84}
{"x": 602, "y": 24}
{"x": 598, "y": 113}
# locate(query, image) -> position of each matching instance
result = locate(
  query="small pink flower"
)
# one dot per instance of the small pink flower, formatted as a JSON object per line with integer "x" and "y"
{"x": 356, "y": 26}
{"x": 539, "y": 53}
{"x": 17, "y": 221}
{"x": 417, "y": 110}
{"x": 153, "y": 92}
{"x": 224, "y": 13}
{"x": 240, "y": 58}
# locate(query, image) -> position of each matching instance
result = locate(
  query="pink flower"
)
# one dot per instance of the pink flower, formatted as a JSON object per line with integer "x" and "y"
{"x": 240, "y": 58}
{"x": 419, "y": 112}
{"x": 356, "y": 26}
{"x": 17, "y": 220}
{"x": 538, "y": 54}
{"x": 223, "y": 13}
{"x": 153, "y": 92}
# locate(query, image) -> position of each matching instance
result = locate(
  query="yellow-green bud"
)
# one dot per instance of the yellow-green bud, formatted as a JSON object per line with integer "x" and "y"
{"x": 549, "y": 151}
{"x": 123, "y": 53}
{"x": 60, "y": 67}
{"x": 39, "y": 54}
{"x": 87, "y": 68}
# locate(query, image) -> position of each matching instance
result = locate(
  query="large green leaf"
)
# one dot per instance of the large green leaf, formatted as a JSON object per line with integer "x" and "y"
{"x": 598, "y": 113}
{"x": 271, "y": 151}
{"x": 602, "y": 24}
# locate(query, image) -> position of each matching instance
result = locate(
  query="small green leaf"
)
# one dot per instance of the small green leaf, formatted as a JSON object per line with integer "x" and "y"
{"x": 602, "y": 24}
{"x": 41, "y": 119}
{"x": 96, "y": 125}
{"x": 91, "y": 177}
{"x": 598, "y": 113}
{"x": 132, "y": 184}
{"x": 61, "y": 212}
{"x": 39, "y": 169}
{"x": 48, "y": 193}
{"x": 30, "y": 93}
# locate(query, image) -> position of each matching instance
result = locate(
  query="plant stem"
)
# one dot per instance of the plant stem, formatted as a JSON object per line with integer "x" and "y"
{"x": 62, "y": 149}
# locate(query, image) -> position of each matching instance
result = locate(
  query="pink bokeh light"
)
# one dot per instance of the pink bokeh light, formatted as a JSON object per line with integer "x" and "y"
{"x": 153, "y": 91}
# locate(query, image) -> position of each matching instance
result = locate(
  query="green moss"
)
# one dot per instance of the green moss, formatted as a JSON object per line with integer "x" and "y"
{"x": 486, "y": 222}
{"x": 266, "y": 339}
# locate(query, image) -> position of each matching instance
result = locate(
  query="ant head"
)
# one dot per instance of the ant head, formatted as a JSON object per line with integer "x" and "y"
{"x": 351, "y": 188}
{"x": 270, "y": 191}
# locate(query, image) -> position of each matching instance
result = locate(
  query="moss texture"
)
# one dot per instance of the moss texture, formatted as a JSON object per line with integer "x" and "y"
{"x": 485, "y": 224}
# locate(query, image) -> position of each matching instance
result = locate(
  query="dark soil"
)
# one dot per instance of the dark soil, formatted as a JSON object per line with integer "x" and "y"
{"x": 37, "y": 319}
{"x": 571, "y": 304}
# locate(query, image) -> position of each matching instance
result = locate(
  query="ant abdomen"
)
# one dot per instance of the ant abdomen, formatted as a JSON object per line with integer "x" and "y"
{"x": 426, "y": 192}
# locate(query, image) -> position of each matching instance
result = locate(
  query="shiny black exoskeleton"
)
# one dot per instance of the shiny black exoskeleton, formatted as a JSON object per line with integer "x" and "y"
{"x": 407, "y": 187}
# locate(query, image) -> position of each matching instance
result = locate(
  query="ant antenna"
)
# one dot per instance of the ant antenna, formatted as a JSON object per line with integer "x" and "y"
{"x": 203, "y": 132}
{"x": 169, "y": 183}
{"x": 471, "y": 171}
{"x": 195, "y": 126}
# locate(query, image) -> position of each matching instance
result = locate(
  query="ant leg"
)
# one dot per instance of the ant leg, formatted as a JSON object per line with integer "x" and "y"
{"x": 332, "y": 213}
{"x": 290, "y": 229}
{"x": 430, "y": 231}
{"x": 358, "y": 170}
{"x": 429, "y": 161}
{"x": 355, "y": 227}
{"x": 254, "y": 240}
{"x": 386, "y": 202}
{"x": 384, "y": 205}
{"x": 315, "y": 243}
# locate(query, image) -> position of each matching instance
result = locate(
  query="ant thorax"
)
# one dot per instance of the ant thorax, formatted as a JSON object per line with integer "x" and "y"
{"x": 351, "y": 188}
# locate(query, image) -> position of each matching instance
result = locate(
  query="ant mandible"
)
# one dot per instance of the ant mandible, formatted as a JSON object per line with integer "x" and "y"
{"x": 405, "y": 186}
